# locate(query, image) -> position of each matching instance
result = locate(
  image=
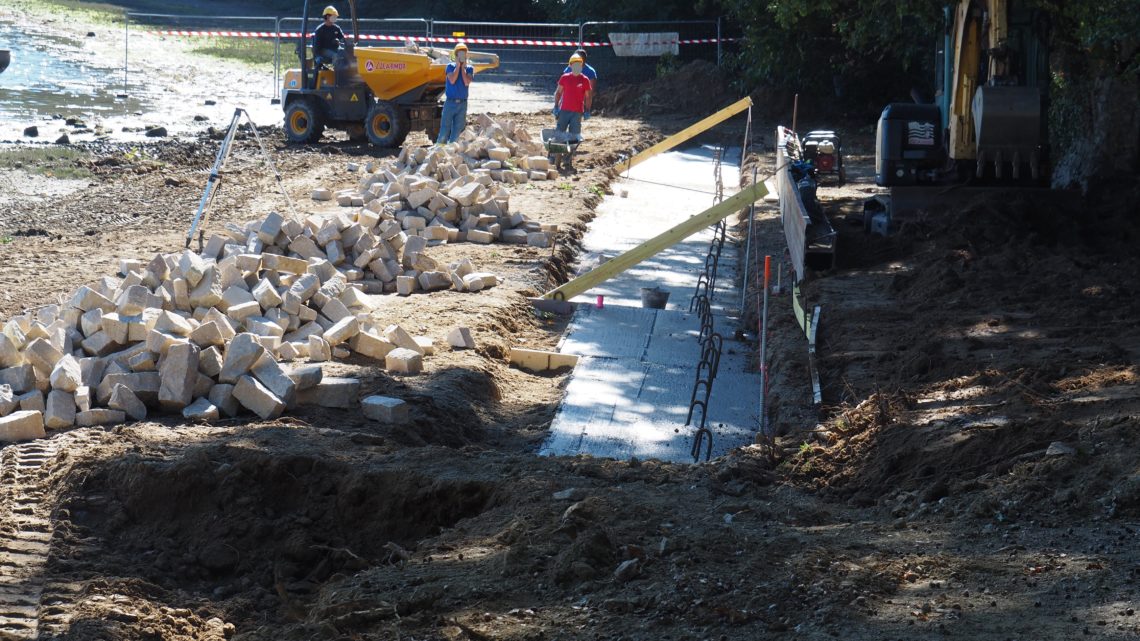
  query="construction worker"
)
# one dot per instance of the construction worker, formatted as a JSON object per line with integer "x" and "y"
{"x": 327, "y": 39}
{"x": 572, "y": 99}
{"x": 587, "y": 70}
{"x": 457, "y": 85}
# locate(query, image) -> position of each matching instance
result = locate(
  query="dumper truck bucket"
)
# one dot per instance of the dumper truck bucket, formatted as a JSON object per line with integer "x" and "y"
{"x": 391, "y": 72}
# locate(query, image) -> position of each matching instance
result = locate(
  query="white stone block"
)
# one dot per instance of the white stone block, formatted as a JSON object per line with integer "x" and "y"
{"x": 461, "y": 338}
{"x": 201, "y": 410}
{"x": 60, "y": 412}
{"x": 385, "y": 409}
{"x": 256, "y": 398}
{"x": 22, "y": 426}
{"x": 404, "y": 361}
{"x": 66, "y": 375}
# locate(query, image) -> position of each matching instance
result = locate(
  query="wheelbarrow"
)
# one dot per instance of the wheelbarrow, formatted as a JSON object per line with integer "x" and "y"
{"x": 560, "y": 147}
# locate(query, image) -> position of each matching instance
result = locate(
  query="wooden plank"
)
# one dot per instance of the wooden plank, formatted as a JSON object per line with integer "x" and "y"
{"x": 687, "y": 133}
{"x": 665, "y": 239}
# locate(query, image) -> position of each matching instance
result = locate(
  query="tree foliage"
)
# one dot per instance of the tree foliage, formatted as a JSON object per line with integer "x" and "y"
{"x": 860, "y": 51}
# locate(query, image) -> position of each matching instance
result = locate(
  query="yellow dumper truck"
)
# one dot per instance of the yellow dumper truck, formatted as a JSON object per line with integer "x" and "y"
{"x": 378, "y": 93}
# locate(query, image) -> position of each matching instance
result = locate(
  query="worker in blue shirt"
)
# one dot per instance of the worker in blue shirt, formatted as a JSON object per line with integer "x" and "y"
{"x": 456, "y": 87}
{"x": 587, "y": 70}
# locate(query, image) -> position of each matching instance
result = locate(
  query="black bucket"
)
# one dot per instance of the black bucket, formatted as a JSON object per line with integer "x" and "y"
{"x": 654, "y": 298}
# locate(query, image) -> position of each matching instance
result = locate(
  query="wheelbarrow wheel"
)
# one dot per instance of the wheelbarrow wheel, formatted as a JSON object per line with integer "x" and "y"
{"x": 386, "y": 125}
{"x": 303, "y": 123}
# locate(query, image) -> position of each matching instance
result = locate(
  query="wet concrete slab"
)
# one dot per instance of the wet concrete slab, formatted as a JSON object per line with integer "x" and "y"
{"x": 630, "y": 394}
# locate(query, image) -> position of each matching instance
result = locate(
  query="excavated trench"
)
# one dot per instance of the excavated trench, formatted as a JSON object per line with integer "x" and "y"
{"x": 227, "y": 518}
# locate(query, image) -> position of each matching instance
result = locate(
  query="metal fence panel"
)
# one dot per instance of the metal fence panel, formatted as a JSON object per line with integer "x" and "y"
{"x": 529, "y": 53}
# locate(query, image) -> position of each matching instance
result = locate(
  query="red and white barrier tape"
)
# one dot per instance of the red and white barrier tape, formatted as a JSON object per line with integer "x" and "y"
{"x": 443, "y": 39}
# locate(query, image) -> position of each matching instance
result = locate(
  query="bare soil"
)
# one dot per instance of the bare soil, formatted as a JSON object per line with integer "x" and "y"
{"x": 920, "y": 501}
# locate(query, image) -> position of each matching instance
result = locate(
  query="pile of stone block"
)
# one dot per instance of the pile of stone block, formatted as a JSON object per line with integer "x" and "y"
{"x": 205, "y": 334}
{"x": 456, "y": 192}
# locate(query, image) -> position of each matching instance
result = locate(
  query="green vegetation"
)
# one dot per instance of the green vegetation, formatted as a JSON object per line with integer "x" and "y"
{"x": 53, "y": 162}
{"x": 251, "y": 51}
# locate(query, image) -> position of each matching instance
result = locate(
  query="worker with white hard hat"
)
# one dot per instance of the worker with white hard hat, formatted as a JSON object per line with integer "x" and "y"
{"x": 457, "y": 86}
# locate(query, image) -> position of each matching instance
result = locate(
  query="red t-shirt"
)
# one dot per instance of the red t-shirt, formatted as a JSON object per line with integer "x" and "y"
{"x": 574, "y": 90}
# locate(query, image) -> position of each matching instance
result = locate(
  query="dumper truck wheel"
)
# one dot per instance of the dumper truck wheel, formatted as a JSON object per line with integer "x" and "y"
{"x": 302, "y": 122}
{"x": 386, "y": 125}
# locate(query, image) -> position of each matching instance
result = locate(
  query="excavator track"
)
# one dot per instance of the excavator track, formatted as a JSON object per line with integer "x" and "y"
{"x": 25, "y": 536}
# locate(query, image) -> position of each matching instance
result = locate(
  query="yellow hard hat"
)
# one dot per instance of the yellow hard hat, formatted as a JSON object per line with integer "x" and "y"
{"x": 460, "y": 47}
{"x": 330, "y": 10}
{"x": 576, "y": 58}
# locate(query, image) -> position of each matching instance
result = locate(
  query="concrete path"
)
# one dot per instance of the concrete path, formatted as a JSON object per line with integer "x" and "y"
{"x": 629, "y": 394}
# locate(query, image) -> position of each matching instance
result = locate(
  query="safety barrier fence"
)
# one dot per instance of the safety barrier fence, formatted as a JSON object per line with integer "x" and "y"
{"x": 529, "y": 52}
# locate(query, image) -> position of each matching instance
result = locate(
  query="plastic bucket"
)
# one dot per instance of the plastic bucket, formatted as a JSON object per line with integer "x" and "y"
{"x": 654, "y": 298}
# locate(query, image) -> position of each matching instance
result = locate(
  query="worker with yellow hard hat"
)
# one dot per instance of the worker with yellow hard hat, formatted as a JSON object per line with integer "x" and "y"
{"x": 328, "y": 38}
{"x": 572, "y": 100}
{"x": 457, "y": 86}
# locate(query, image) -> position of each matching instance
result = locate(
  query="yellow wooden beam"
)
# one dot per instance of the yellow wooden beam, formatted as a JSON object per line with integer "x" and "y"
{"x": 665, "y": 239}
{"x": 687, "y": 133}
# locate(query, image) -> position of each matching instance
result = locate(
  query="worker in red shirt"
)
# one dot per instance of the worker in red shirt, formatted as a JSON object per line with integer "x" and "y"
{"x": 572, "y": 99}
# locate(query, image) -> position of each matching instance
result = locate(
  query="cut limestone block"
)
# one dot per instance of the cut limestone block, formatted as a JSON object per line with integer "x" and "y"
{"x": 32, "y": 401}
{"x": 405, "y": 361}
{"x": 201, "y": 410}
{"x": 179, "y": 372}
{"x": 222, "y": 397}
{"x": 173, "y": 324}
{"x": 60, "y": 412}
{"x": 319, "y": 349}
{"x": 100, "y": 416}
{"x": 83, "y": 398}
{"x": 242, "y": 352}
{"x": 256, "y": 398}
{"x": 21, "y": 378}
{"x": 332, "y": 392}
{"x": 122, "y": 398}
{"x": 208, "y": 334}
{"x": 322, "y": 194}
{"x": 9, "y": 401}
{"x": 10, "y": 355}
{"x": 22, "y": 426}
{"x": 42, "y": 355}
{"x": 401, "y": 338}
{"x": 145, "y": 385}
{"x": 385, "y": 409}
{"x": 343, "y": 330}
{"x": 370, "y": 345}
{"x": 270, "y": 374}
{"x": 405, "y": 285}
{"x": 306, "y": 377}
{"x": 66, "y": 375}
{"x": 541, "y": 361}
{"x": 481, "y": 237}
{"x": 472, "y": 282}
{"x": 460, "y": 338}
{"x": 426, "y": 345}
{"x": 435, "y": 281}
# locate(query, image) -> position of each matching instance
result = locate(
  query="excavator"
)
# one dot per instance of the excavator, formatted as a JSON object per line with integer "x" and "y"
{"x": 986, "y": 125}
{"x": 376, "y": 93}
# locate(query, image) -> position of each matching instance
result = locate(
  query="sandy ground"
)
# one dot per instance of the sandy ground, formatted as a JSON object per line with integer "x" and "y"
{"x": 920, "y": 502}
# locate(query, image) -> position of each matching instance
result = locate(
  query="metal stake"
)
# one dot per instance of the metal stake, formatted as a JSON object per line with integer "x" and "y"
{"x": 764, "y": 351}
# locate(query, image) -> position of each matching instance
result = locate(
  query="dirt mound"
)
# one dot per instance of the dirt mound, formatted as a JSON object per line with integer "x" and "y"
{"x": 693, "y": 88}
{"x": 999, "y": 329}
